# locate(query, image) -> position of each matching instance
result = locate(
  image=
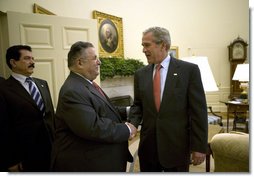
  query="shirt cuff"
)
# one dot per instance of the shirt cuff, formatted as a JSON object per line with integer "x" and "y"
{"x": 128, "y": 127}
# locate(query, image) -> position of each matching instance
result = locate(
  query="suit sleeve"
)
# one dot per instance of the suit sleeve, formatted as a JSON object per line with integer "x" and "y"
{"x": 91, "y": 119}
{"x": 6, "y": 148}
{"x": 3, "y": 134}
{"x": 135, "y": 115}
{"x": 198, "y": 112}
{"x": 122, "y": 112}
{"x": 49, "y": 116}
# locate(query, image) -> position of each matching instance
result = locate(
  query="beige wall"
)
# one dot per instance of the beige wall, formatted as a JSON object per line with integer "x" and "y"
{"x": 199, "y": 27}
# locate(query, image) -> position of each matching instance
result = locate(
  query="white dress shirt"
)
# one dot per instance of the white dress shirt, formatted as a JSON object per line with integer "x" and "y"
{"x": 22, "y": 79}
{"x": 163, "y": 72}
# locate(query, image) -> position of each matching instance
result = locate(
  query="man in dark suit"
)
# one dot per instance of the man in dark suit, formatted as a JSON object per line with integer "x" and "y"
{"x": 174, "y": 119}
{"x": 26, "y": 131}
{"x": 90, "y": 135}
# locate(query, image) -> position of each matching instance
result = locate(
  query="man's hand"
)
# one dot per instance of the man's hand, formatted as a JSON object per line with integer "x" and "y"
{"x": 16, "y": 168}
{"x": 133, "y": 130}
{"x": 198, "y": 158}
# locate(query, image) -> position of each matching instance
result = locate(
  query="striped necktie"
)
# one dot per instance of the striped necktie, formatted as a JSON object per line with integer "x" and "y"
{"x": 35, "y": 94}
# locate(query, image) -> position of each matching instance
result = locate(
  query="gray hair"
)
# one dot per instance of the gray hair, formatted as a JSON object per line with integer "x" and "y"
{"x": 76, "y": 50}
{"x": 161, "y": 35}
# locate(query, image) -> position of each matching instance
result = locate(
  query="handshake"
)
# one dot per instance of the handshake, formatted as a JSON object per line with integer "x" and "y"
{"x": 133, "y": 130}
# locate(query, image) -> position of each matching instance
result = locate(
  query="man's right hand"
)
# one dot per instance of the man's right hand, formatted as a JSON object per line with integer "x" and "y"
{"x": 16, "y": 168}
{"x": 133, "y": 130}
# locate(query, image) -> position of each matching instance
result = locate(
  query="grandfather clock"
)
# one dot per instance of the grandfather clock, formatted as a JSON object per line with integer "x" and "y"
{"x": 237, "y": 55}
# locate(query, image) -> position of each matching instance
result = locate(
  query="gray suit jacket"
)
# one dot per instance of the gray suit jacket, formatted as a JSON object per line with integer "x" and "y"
{"x": 180, "y": 126}
{"x": 90, "y": 135}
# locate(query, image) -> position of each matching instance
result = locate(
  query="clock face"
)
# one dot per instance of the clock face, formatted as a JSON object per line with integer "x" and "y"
{"x": 238, "y": 51}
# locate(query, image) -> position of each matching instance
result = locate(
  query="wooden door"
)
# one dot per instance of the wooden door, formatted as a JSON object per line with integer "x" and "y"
{"x": 50, "y": 38}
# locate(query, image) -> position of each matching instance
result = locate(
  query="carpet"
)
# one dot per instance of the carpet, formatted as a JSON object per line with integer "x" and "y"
{"x": 133, "y": 146}
{"x": 240, "y": 126}
{"x": 134, "y": 167}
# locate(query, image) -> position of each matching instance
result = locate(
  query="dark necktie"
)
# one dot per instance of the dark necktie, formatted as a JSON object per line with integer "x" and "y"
{"x": 35, "y": 94}
{"x": 98, "y": 88}
{"x": 157, "y": 87}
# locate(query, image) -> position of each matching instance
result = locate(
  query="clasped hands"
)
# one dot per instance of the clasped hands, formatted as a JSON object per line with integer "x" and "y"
{"x": 133, "y": 130}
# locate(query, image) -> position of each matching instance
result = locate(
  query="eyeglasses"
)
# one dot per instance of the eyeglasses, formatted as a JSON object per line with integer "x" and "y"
{"x": 95, "y": 59}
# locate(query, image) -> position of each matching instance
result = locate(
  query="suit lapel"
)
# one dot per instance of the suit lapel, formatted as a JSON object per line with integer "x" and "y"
{"x": 105, "y": 99}
{"x": 42, "y": 88}
{"x": 148, "y": 76}
{"x": 171, "y": 81}
{"x": 93, "y": 90}
{"x": 20, "y": 90}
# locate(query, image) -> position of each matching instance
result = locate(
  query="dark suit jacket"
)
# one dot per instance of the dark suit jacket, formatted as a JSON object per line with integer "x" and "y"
{"x": 25, "y": 134}
{"x": 181, "y": 124}
{"x": 1, "y": 79}
{"x": 89, "y": 134}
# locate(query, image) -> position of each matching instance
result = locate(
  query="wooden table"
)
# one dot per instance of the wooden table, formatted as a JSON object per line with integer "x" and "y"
{"x": 212, "y": 130}
{"x": 235, "y": 108}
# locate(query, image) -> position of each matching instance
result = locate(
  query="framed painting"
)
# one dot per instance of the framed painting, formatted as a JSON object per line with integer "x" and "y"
{"x": 173, "y": 51}
{"x": 110, "y": 33}
{"x": 40, "y": 10}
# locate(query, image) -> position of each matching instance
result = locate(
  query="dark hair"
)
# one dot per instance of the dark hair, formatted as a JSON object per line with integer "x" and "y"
{"x": 13, "y": 52}
{"x": 76, "y": 50}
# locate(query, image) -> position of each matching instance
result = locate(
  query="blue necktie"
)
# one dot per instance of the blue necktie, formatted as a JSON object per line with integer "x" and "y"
{"x": 35, "y": 94}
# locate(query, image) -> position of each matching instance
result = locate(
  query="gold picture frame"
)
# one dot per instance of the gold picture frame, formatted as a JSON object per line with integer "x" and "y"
{"x": 173, "y": 51}
{"x": 110, "y": 33}
{"x": 40, "y": 10}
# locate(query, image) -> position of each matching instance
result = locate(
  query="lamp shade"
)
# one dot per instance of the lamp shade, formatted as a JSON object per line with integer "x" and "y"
{"x": 241, "y": 73}
{"x": 208, "y": 81}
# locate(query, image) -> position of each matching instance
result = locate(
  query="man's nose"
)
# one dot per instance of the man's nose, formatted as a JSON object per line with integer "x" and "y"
{"x": 98, "y": 61}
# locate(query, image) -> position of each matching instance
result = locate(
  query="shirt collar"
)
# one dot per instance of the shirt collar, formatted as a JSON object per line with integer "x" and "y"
{"x": 21, "y": 78}
{"x": 83, "y": 77}
{"x": 165, "y": 62}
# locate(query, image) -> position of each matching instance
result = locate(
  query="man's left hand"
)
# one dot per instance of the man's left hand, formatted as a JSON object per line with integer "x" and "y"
{"x": 198, "y": 158}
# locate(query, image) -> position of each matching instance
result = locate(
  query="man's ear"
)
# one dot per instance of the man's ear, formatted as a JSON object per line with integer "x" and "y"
{"x": 163, "y": 45}
{"x": 13, "y": 63}
{"x": 79, "y": 63}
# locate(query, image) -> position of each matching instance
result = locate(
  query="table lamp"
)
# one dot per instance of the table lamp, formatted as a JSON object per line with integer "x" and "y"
{"x": 208, "y": 80}
{"x": 242, "y": 75}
